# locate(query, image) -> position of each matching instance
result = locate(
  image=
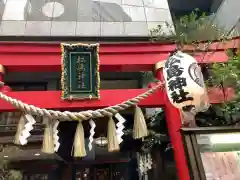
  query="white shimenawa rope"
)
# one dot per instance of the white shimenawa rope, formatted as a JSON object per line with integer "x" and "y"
{"x": 83, "y": 115}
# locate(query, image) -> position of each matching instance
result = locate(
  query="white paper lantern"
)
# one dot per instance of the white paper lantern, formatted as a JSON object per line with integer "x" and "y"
{"x": 184, "y": 82}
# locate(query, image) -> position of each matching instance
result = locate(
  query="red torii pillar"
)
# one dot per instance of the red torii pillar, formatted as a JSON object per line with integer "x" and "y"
{"x": 174, "y": 123}
{"x": 3, "y": 88}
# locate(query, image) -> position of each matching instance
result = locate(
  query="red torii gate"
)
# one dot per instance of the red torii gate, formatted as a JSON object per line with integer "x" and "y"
{"x": 123, "y": 57}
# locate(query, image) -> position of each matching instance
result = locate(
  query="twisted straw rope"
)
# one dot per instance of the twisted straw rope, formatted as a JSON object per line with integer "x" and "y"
{"x": 84, "y": 115}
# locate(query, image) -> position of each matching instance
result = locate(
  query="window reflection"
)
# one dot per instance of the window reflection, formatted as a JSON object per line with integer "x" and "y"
{"x": 14, "y": 9}
{"x": 111, "y": 1}
{"x": 53, "y": 9}
{"x": 162, "y": 4}
{"x": 50, "y": 17}
{"x": 220, "y": 155}
{"x": 136, "y": 13}
{"x": 133, "y": 2}
{"x": 64, "y": 10}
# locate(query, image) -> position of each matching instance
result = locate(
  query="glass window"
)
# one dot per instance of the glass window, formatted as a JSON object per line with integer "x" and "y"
{"x": 136, "y": 28}
{"x": 88, "y": 29}
{"x": 63, "y": 28}
{"x": 162, "y": 4}
{"x": 220, "y": 154}
{"x": 81, "y": 17}
{"x": 133, "y": 2}
{"x": 134, "y": 13}
{"x": 154, "y": 14}
{"x": 41, "y": 28}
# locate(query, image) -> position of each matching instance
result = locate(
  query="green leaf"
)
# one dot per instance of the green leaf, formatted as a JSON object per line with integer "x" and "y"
{"x": 193, "y": 28}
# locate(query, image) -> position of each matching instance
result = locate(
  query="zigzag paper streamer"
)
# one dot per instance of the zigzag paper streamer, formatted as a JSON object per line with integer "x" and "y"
{"x": 92, "y": 132}
{"x": 55, "y": 136}
{"x": 28, "y": 127}
{"x": 120, "y": 127}
{"x": 149, "y": 161}
{"x": 141, "y": 164}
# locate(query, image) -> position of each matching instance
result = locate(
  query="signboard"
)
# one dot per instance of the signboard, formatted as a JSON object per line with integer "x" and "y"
{"x": 80, "y": 71}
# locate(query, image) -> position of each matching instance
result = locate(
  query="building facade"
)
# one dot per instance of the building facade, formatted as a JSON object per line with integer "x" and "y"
{"x": 96, "y": 18}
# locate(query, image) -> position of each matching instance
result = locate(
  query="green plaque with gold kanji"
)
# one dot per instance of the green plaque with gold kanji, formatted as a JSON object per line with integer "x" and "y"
{"x": 80, "y": 71}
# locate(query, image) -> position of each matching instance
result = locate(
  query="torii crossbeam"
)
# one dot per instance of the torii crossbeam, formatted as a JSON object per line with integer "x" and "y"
{"x": 131, "y": 57}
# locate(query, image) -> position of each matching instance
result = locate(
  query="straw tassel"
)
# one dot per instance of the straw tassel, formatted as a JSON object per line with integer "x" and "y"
{"x": 20, "y": 128}
{"x": 140, "y": 127}
{"x": 79, "y": 142}
{"x": 113, "y": 143}
{"x": 48, "y": 142}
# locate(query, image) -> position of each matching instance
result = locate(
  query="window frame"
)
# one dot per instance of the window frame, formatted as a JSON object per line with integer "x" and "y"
{"x": 192, "y": 152}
